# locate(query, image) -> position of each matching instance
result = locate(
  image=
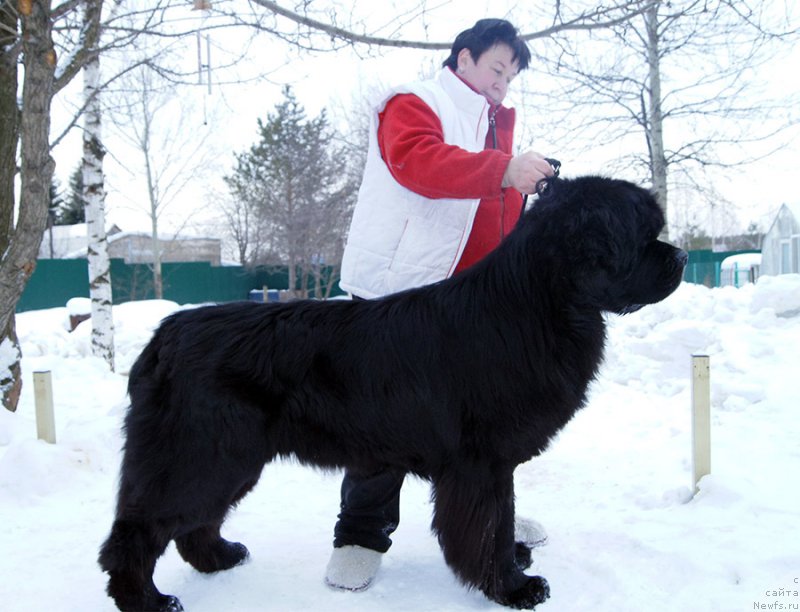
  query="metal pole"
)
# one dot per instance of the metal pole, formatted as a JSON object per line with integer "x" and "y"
{"x": 701, "y": 418}
{"x": 43, "y": 398}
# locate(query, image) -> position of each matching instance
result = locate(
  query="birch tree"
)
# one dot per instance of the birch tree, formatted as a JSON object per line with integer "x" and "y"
{"x": 43, "y": 49}
{"x": 94, "y": 195}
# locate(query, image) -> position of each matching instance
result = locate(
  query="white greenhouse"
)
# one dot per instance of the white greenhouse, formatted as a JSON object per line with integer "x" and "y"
{"x": 780, "y": 252}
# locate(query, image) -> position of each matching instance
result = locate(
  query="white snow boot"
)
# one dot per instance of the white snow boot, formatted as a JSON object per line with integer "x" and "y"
{"x": 352, "y": 568}
{"x": 529, "y": 532}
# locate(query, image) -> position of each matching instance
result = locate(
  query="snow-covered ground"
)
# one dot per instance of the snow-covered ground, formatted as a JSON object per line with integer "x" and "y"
{"x": 614, "y": 491}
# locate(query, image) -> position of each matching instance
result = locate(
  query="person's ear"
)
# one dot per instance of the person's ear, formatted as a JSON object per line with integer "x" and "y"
{"x": 464, "y": 59}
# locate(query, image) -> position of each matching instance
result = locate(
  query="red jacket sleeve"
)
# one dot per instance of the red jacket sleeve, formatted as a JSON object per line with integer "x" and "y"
{"x": 412, "y": 144}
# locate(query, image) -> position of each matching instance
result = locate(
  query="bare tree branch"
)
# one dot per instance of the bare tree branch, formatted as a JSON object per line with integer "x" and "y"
{"x": 681, "y": 79}
{"x": 599, "y": 18}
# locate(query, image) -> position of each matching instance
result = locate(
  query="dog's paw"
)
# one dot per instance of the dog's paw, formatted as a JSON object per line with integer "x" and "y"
{"x": 522, "y": 556}
{"x": 171, "y": 603}
{"x": 221, "y": 555}
{"x": 532, "y": 593}
{"x": 226, "y": 556}
{"x": 237, "y": 555}
{"x": 162, "y": 603}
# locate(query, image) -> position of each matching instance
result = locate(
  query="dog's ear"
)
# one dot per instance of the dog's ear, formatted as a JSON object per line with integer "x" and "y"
{"x": 602, "y": 222}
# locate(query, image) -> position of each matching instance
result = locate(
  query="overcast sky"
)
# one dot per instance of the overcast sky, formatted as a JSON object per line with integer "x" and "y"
{"x": 229, "y": 114}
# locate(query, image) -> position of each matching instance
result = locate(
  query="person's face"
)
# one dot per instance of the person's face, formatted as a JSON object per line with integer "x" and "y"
{"x": 492, "y": 73}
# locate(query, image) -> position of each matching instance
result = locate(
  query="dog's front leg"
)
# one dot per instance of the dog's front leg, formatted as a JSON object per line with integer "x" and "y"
{"x": 474, "y": 521}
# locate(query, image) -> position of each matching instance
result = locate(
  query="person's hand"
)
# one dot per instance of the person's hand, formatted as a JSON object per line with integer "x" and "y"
{"x": 524, "y": 171}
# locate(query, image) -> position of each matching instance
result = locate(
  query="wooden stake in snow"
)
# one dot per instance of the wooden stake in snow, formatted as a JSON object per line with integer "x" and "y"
{"x": 43, "y": 397}
{"x": 701, "y": 418}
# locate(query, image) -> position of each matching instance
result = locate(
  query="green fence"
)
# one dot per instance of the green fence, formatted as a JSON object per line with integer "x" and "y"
{"x": 57, "y": 280}
{"x": 704, "y": 266}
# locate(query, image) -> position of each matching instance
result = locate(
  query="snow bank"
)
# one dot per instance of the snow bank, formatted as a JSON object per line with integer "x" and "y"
{"x": 614, "y": 491}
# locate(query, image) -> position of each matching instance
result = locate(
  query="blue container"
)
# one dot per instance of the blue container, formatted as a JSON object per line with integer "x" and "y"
{"x": 257, "y": 295}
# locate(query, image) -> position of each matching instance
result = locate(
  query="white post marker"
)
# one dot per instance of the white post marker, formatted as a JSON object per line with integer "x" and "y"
{"x": 701, "y": 418}
{"x": 43, "y": 397}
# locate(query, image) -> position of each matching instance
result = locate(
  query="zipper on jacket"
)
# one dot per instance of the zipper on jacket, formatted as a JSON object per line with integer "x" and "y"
{"x": 493, "y": 128}
{"x": 493, "y": 125}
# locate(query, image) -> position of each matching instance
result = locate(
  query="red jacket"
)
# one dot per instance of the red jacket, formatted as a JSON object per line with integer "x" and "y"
{"x": 412, "y": 145}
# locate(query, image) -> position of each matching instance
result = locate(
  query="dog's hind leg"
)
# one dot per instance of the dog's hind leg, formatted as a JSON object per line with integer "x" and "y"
{"x": 178, "y": 481}
{"x": 474, "y": 521}
{"x": 206, "y": 550}
{"x": 129, "y": 556}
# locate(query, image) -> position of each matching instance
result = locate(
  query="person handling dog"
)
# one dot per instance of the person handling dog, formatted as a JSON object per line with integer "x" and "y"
{"x": 441, "y": 189}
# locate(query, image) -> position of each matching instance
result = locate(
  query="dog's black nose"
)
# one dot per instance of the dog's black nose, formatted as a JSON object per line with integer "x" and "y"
{"x": 682, "y": 257}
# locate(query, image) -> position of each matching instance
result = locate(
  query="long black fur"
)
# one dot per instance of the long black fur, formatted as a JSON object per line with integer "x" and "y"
{"x": 457, "y": 382}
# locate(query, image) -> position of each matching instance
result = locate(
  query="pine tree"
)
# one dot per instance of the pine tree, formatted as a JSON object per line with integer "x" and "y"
{"x": 73, "y": 209}
{"x": 294, "y": 182}
{"x": 56, "y": 197}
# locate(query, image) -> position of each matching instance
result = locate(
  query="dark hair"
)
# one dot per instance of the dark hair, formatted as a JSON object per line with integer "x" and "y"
{"x": 485, "y": 34}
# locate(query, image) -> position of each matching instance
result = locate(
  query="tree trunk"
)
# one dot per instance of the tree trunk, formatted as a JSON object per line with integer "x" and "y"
{"x": 655, "y": 124}
{"x": 94, "y": 195}
{"x": 158, "y": 283}
{"x": 36, "y": 169}
{"x": 10, "y": 381}
{"x": 9, "y": 121}
{"x": 158, "y": 279}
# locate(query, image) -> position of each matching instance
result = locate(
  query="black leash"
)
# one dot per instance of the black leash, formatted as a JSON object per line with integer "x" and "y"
{"x": 555, "y": 164}
{"x": 541, "y": 185}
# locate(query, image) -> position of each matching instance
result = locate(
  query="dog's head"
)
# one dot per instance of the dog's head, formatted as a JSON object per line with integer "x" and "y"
{"x": 604, "y": 233}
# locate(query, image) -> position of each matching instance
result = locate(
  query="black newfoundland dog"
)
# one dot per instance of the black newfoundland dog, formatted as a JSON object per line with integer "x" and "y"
{"x": 457, "y": 382}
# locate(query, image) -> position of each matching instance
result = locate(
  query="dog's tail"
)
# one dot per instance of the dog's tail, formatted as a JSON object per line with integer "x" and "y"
{"x": 149, "y": 367}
